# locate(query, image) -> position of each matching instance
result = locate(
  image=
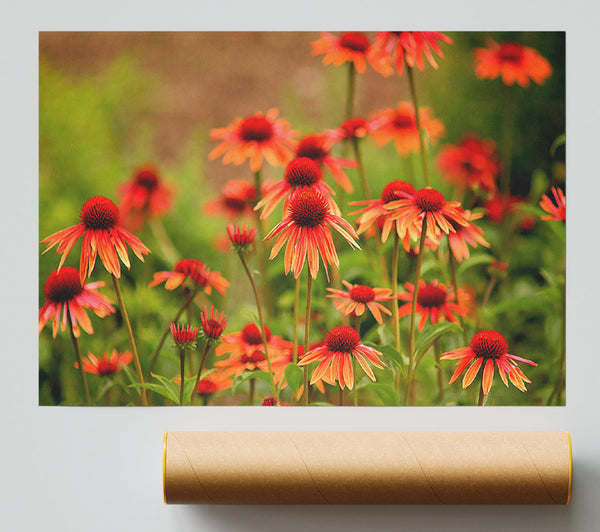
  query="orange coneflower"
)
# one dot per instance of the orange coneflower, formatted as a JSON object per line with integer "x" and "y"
{"x": 144, "y": 197}
{"x": 191, "y": 273}
{"x": 213, "y": 383}
{"x": 434, "y": 301}
{"x": 66, "y": 296}
{"x": 237, "y": 199}
{"x": 318, "y": 148}
{"x": 410, "y": 46}
{"x": 254, "y": 137}
{"x": 307, "y": 231}
{"x": 513, "y": 62}
{"x": 472, "y": 163}
{"x": 400, "y": 125}
{"x": 335, "y": 357}
{"x": 359, "y": 298}
{"x": 556, "y": 212}
{"x": 466, "y": 235}
{"x": 488, "y": 347}
{"x": 351, "y": 129}
{"x": 353, "y": 47}
{"x": 106, "y": 366}
{"x": 99, "y": 219}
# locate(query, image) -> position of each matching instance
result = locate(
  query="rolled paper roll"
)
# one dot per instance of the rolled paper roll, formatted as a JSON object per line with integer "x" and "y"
{"x": 367, "y": 468}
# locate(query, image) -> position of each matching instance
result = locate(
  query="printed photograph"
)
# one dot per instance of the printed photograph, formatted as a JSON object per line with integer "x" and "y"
{"x": 302, "y": 218}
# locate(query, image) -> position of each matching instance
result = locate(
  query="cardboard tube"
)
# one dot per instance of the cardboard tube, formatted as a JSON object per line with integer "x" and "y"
{"x": 367, "y": 468}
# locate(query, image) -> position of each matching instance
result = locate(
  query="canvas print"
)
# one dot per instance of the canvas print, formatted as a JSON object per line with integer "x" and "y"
{"x": 299, "y": 218}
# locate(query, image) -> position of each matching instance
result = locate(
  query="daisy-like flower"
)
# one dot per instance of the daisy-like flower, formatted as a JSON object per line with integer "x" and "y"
{"x": 400, "y": 125}
{"x": 213, "y": 383}
{"x": 557, "y": 210}
{"x": 488, "y": 348}
{"x": 472, "y": 163}
{"x": 184, "y": 336}
{"x": 352, "y": 47}
{"x": 213, "y": 324}
{"x": 376, "y": 211}
{"x": 301, "y": 173}
{"x": 99, "y": 219}
{"x": 498, "y": 207}
{"x": 428, "y": 204}
{"x": 466, "y": 235}
{"x": 307, "y": 231}
{"x": 241, "y": 236}
{"x": 318, "y": 148}
{"x": 255, "y": 137}
{"x": 144, "y": 197}
{"x": 335, "y": 357}
{"x": 247, "y": 352}
{"x": 359, "y": 298}
{"x": 435, "y": 301}
{"x": 269, "y": 401}
{"x": 411, "y": 47}
{"x": 513, "y": 62}
{"x": 106, "y": 366}
{"x": 66, "y": 296}
{"x": 237, "y": 199}
{"x": 351, "y": 129}
{"x": 191, "y": 273}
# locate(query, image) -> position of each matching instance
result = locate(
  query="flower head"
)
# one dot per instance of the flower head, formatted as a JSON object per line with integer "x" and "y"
{"x": 435, "y": 301}
{"x": 213, "y": 383}
{"x": 472, "y": 163}
{"x": 359, "y": 298}
{"x": 301, "y": 173}
{"x": 513, "y": 62}
{"x": 335, "y": 357}
{"x": 66, "y": 296}
{"x": 351, "y": 129}
{"x": 499, "y": 206}
{"x": 557, "y": 210}
{"x": 99, "y": 219}
{"x": 410, "y": 47}
{"x": 191, "y": 273}
{"x": 318, "y": 148}
{"x": 184, "y": 336}
{"x": 237, "y": 199}
{"x": 144, "y": 197}
{"x": 307, "y": 231}
{"x": 213, "y": 325}
{"x": 466, "y": 235}
{"x": 400, "y": 125}
{"x": 488, "y": 348}
{"x": 106, "y": 366}
{"x": 241, "y": 236}
{"x": 255, "y": 137}
{"x": 352, "y": 47}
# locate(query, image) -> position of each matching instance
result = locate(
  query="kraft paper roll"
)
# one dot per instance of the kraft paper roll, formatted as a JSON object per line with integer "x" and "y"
{"x": 367, "y": 468}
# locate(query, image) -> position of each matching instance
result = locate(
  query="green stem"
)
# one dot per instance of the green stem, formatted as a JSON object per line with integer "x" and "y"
{"x": 507, "y": 137}
{"x": 86, "y": 391}
{"x": 189, "y": 320}
{"x": 136, "y": 358}
{"x": 296, "y": 313}
{"x": 481, "y": 398}
{"x": 341, "y": 397}
{"x": 354, "y": 389}
{"x": 161, "y": 236}
{"x": 350, "y": 93}
{"x": 394, "y": 302}
{"x": 165, "y": 333}
{"x": 262, "y": 322}
{"x": 251, "y": 392}
{"x": 262, "y": 258}
{"x": 438, "y": 365}
{"x": 455, "y": 285}
{"x": 413, "y": 94}
{"x": 182, "y": 368}
{"x": 411, "y": 336}
{"x": 558, "y": 388}
{"x": 361, "y": 169}
{"x": 307, "y": 334}
{"x": 195, "y": 390}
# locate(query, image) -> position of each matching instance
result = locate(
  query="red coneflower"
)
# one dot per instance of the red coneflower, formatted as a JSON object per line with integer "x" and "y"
{"x": 184, "y": 336}
{"x": 557, "y": 210}
{"x": 66, "y": 296}
{"x": 435, "y": 301}
{"x": 213, "y": 325}
{"x": 106, "y": 366}
{"x": 351, "y": 129}
{"x": 301, "y": 173}
{"x": 410, "y": 46}
{"x": 307, "y": 231}
{"x": 400, "y": 125}
{"x": 513, "y": 62}
{"x": 318, "y": 148}
{"x": 144, "y": 197}
{"x": 359, "y": 298}
{"x": 466, "y": 235}
{"x": 213, "y": 383}
{"x": 376, "y": 211}
{"x": 353, "y": 47}
{"x": 197, "y": 275}
{"x": 255, "y": 137}
{"x": 335, "y": 357}
{"x": 472, "y": 163}
{"x": 488, "y": 348}
{"x": 241, "y": 236}
{"x": 101, "y": 236}
{"x": 237, "y": 199}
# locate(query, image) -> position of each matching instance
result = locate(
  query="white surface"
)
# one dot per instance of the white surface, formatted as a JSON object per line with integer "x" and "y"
{"x": 80, "y": 469}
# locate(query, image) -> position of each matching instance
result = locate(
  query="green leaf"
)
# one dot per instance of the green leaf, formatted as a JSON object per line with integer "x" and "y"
{"x": 240, "y": 379}
{"x": 390, "y": 352}
{"x": 475, "y": 260}
{"x": 188, "y": 390}
{"x": 386, "y": 392}
{"x": 157, "y": 388}
{"x": 517, "y": 305}
{"x": 294, "y": 377}
{"x": 558, "y": 142}
{"x": 168, "y": 384}
{"x": 132, "y": 378}
{"x": 429, "y": 335}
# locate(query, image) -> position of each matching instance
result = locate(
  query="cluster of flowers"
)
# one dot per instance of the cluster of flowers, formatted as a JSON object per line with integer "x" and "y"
{"x": 422, "y": 219}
